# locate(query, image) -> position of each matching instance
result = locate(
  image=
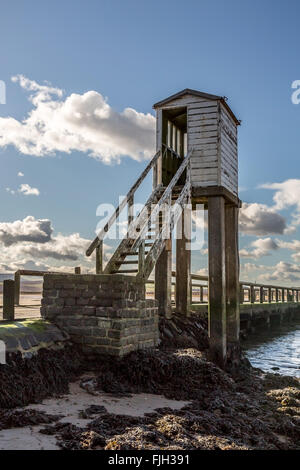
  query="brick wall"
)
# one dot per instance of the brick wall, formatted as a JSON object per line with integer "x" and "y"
{"x": 105, "y": 314}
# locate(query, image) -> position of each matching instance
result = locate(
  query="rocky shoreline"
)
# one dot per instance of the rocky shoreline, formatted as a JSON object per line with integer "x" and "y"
{"x": 241, "y": 410}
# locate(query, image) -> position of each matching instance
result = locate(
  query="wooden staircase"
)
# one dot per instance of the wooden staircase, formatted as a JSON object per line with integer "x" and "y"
{"x": 149, "y": 231}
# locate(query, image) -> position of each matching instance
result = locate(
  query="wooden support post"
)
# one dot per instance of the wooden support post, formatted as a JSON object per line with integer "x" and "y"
{"x": 217, "y": 279}
{"x": 9, "y": 299}
{"x": 282, "y": 295}
{"x": 276, "y": 295}
{"x": 183, "y": 263}
{"x": 17, "y": 287}
{"x": 232, "y": 282}
{"x": 201, "y": 294}
{"x": 99, "y": 258}
{"x": 163, "y": 281}
{"x": 77, "y": 270}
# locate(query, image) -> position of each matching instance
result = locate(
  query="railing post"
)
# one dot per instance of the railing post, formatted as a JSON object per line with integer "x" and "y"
{"x": 201, "y": 294}
{"x": 99, "y": 258}
{"x": 252, "y": 294}
{"x": 270, "y": 294}
{"x": 261, "y": 295}
{"x": 277, "y": 295}
{"x": 77, "y": 270}
{"x": 9, "y": 299}
{"x": 17, "y": 287}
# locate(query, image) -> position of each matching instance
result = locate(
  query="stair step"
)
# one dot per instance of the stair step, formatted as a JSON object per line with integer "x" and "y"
{"x": 130, "y": 253}
{"x": 125, "y": 271}
{"x": 127, "y": 262}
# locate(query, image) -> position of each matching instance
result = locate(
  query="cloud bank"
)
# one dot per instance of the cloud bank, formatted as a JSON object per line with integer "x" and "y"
{"x": 261, "y": 220}
{"x": 84, "y": 123}
{"x": 260, "y": 247}
{"x": 31, "y": 242}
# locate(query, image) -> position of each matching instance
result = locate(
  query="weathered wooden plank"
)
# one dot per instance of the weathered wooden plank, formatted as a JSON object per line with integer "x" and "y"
{"x": 232, "y": 275}
{"x": 122, "y": 205}
{"x": 203, "y": 184}
{"x": 217, "y": 279}
{"x": 205, "y": 126}
{"x": 199, "y": 159}
{"x": 9, "y": 299}
{"x": 164, "y": 199}
{"x": 201, "y": 104}
{"x": 228, "y": 143}
{"x": 229, "y": 168}
{"x": 203, "y": 172}
{"x": 229, "y": 154}
{"x": 193, "y": 116}
{"x": 195, "y": 110}
{"x": 183, "y": 263}
{"x": 184, "y": 101}
{"x": 203, "y": 141}
{"x": 225, "y": 116}
{"x": 194, "y": 138}
{"x": 204, "y": 153}
{"x": 202, "y": 118}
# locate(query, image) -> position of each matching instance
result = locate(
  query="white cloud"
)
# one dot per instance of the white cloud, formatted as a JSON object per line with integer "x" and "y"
{"x": 30, "y": 242}
{"x": 282, "y": 273}
{"x": 294, "y": 246}
{"x": 260, "y": 247}
{"x": 11, "y": 191}
{"x": 261, "y": 220}
{"x": 287, "y": 194}
{"x": 20, "y": 174}
{"x": 28, "y": 190}
{"x": 27, "y": 230}
{"x": 84, "y": 123}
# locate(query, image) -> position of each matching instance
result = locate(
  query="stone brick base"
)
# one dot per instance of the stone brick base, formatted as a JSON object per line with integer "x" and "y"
{"x": 105, "y": 314}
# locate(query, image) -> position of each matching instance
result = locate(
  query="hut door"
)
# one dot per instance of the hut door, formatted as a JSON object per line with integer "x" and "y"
{"x": 173, "y": 130}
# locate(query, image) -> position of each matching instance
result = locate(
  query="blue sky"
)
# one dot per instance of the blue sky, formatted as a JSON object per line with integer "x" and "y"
{"x": 135, "y": 53}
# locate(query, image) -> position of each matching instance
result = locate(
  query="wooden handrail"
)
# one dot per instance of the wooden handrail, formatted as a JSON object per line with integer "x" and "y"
{"x": 127, "y": 198}
{"x": 166, "y": 195}
{"x": 292, "y": 293}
